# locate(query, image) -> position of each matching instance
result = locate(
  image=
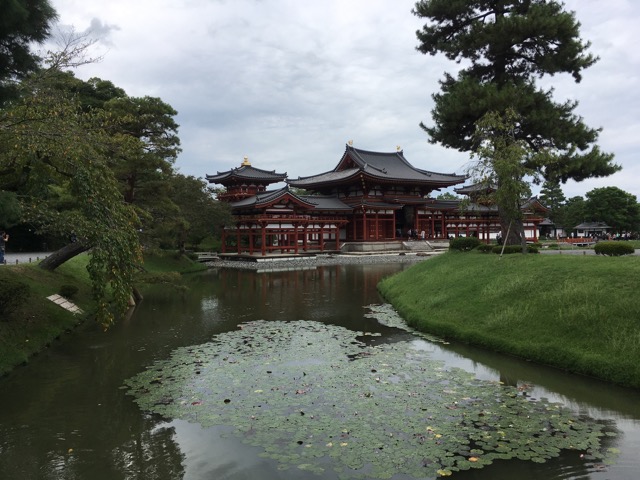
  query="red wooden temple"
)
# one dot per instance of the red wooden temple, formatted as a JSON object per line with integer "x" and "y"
{"x": 368, "y": 197}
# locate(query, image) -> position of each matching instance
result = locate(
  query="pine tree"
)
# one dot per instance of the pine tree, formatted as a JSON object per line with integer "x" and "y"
{"x": 551, "y": 196}
{"x": 504, "y": 46}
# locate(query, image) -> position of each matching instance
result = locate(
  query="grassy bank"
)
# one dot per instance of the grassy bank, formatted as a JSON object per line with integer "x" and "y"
{"x": 37, "y": 322}
{"x": 579, "y": 313}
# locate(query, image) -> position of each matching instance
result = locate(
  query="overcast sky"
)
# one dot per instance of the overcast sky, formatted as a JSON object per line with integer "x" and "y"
{"x": 289, "y": 82}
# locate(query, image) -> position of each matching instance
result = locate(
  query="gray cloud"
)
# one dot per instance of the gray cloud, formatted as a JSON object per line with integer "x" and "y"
{"x": 101, "y": 31}
{"x": 288, "y": 83}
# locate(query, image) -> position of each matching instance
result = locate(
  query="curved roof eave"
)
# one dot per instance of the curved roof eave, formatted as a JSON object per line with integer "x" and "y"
{"x": 326, "y": 178}
{"x": 247, "y": 172}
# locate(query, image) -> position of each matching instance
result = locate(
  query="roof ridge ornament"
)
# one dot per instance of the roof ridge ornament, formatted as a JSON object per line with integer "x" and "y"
{"x": 246, "y": 162}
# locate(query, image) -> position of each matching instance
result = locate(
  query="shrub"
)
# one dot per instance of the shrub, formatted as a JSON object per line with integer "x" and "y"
{"x": 613, "y": 249}
{"x": 13, "y": 293}
{"x": 464, "y": 244}
{"x": 508, "y": 249}
{"x": 67, "y": 291}
{"x": 485, "y": 248}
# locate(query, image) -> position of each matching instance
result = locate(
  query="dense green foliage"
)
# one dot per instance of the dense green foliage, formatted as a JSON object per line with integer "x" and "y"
{"x": 615, "y": 207}
{"x": 54, "y": 155}
{"x": 22, "y": 23}
{"x": 463, "y": 243}
{"x": 614, "y": 249}
{"x": 582, "y": 317}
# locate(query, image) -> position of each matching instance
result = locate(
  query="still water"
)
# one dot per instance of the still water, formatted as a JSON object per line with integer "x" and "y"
{"x": 66, "y": 415}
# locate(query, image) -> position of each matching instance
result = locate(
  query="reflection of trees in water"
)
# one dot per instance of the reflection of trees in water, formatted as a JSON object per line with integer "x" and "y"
{"x": 86, "y": 442}
{"x": 152, "y": 454}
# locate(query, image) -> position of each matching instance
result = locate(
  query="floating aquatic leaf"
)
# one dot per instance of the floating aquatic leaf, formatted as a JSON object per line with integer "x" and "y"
{"x": 374, "y": 411}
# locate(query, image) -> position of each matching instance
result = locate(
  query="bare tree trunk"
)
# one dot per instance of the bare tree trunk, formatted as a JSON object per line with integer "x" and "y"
{"x": 515, "y": 234}
{"x": 58, "y": 257}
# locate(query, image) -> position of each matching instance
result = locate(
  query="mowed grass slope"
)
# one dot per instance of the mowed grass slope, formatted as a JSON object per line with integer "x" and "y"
{"x": 579, "y": 313}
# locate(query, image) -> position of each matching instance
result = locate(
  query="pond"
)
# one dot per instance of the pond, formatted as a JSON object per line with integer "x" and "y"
{"x": 299, "y": 374}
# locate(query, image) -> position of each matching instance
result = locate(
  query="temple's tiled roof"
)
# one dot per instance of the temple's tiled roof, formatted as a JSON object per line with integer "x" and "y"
{"x": 322, "y": 202}
{"x": 387, "y": 167}
{"x": 324, "y": 178}
{"x": 533, "y": 203}
{"x": 265, "y": 198}
{"x": 475, "y": 188}
{"x": 248, "y": 173}
{"x": 314, "y": 202}
{"x": 436, "y": 204}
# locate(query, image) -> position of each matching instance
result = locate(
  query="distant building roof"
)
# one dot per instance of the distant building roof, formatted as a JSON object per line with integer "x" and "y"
{"x": 381, "y": 166}
{"x": 593, "y": 226}
{"x": 245, "y": 172}
{"x": 479, "y": 187}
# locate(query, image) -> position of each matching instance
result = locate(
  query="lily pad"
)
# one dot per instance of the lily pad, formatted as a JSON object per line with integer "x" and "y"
{"x": 307, "y": 392}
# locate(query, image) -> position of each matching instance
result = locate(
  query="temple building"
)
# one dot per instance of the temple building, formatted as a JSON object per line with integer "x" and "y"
{"x": 369, "y": 197}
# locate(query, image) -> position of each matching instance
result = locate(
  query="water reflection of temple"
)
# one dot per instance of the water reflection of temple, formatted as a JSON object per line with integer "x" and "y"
{"x": 368, "y": 197}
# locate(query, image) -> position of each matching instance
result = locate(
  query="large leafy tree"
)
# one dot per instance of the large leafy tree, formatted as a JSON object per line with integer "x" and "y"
{"x": 54, "y": 155}
{"x": 615, "y": 207}
{"x": 143, "y": 147}
{"x": 22, "y": 23}
{"x": 503, "y": 47}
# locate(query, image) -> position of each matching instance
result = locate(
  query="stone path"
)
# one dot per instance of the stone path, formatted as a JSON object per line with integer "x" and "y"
{"x": 64, "y": 303}
{"x": 13, "y": 258}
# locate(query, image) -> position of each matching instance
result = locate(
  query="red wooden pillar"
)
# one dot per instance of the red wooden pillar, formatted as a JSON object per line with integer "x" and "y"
{"x": 305, "y": 234}
{"x": 365, "y": 232}
{"x": 251, "y": 239}
{"x": 238, "y": 238}
{"x": 263, "y": 232}
{"x": 377, "y": 226}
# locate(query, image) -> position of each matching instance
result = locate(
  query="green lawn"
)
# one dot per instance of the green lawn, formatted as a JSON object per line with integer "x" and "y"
{"x": 580, "y": 313}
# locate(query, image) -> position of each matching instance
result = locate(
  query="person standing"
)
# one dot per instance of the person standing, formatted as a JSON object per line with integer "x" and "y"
{"x": 4, "y": 238}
